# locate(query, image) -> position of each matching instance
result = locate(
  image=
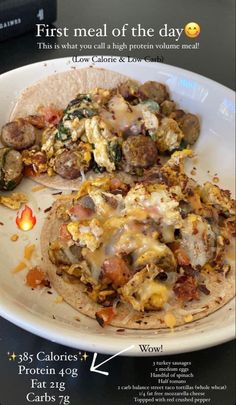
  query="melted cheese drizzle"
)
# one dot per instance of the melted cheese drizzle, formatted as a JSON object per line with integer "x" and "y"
{"x": 120, "y": 115}
{"x": 119, "y": 237}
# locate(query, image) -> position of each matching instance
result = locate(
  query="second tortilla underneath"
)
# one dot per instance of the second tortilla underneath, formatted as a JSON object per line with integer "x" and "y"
{"x": 75, "y": 295}
{"x": 59, "y": 89}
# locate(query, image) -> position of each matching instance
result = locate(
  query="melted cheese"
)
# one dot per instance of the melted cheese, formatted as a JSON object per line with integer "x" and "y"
{"x": 104, "y": 208}
{"x": 29, "y": 249}
{"x": 160, "y": 205}
{"x": 95, "y": 260}
{"x": 153, "y": 294}
{"x": 169, "y": 135}
{"x": 20, "y": 266}
{"x": 143, "y": 291}
{"x": 198, "y": 240}
{"x": 98, "y": 135}
{"x": 88, "y": 235}
{"x": 120, "y": 115}
{"x": 188, "y": 318}
{"x": 170, "y": 320}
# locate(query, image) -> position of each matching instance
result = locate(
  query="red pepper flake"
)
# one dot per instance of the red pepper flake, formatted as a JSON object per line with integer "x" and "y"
{"x": 186, "y": 288}
{"x": 47, "y": 284}
{"x": 204, "y": 289}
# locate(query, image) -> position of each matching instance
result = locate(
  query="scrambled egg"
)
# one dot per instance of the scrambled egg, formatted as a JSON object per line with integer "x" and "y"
{"x": 157, "y": 201}
{"x": 98, "y": 134}
{"x": 143, "y": 292}
{"x": 105, "y": 202}
{"x": 168, "y": 135}
{"x": 13, "y": 200}
{"x": 145, "y": 249}
{"x": 76, "y": 127}
{"x": 48, "y": 141}
{"x": 86, "y": 234}
{"x": 213, "y": 195}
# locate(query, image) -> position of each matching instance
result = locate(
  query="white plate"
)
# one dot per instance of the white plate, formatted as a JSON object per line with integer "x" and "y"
{"x": 35, "y": 310}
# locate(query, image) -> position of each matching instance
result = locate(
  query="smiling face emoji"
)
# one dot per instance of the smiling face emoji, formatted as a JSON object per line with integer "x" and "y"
{"x": 192, "y": 30}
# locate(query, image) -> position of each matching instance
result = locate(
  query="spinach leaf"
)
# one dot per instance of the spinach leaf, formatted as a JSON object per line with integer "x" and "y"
{"x": 183, "y": 144}
{"x": 81, "y": 113}
{"x": 151, "y": 105}
{"x": 62, "y": 132}
{"x": 97, "y": 169}
{"x": 78, "y": 100}
{"x": 114, "y": 152}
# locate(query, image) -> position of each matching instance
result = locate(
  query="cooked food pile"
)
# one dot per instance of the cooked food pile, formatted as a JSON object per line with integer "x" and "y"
{"x": 139, "y": 244}
{"x": 119, "y": 129}
{"x": 158, "y": 245}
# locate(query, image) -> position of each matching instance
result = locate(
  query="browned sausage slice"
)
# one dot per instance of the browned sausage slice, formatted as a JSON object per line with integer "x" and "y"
{"x": 190, "y": 126}
{"x": 153, "y": 90}
{"x": 177, "y": 115}
{"x": 18, "y": 134}
{"x": 140, "y": 151}
{"x": 128, "y": 89}
{"x": 79, "y": 212}
{"x": 167, "y": 107}
{"x": 11, "y": 167}
{"x": 67, "y": 165}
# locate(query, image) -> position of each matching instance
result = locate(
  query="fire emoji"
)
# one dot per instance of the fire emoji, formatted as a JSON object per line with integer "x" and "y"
{"x": 26, "y": 220}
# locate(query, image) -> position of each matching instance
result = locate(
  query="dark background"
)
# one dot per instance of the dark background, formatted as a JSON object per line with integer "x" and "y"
{"x": 214, "y": 59}
{"x": 211, "y": 366}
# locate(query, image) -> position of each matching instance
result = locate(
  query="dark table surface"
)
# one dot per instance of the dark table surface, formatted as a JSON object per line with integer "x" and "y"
{"x": 214, "y": 59}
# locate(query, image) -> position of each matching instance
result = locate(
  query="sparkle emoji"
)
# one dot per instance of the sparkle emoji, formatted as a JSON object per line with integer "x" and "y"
{"x": 12, "y": 356}
{"x": 192, "y": 30}
{"x": 84, "y": 357}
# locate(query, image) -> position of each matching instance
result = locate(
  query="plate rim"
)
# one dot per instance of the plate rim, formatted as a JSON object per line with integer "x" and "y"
{"x": 31, "y": 323}
{"x": 45, "y": 328}
{"x": 97, "y": 65}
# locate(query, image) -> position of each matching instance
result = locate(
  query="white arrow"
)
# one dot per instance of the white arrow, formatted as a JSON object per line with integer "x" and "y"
{"x": 94, "y": 368}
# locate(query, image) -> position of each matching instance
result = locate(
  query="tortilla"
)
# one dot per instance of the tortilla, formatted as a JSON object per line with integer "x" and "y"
{"x": 75, "y": 295}
{"x": 58, "y": 90}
